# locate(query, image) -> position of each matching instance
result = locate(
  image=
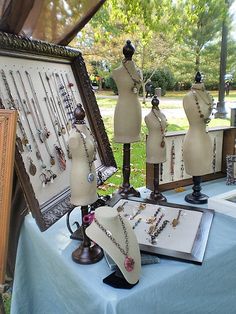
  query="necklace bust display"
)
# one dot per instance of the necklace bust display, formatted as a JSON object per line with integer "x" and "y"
{"x": 156, "y": 123}
{"x": 115, "y": 235}
{"x": 197, "y": 144}
{"x": 83, "y": 180}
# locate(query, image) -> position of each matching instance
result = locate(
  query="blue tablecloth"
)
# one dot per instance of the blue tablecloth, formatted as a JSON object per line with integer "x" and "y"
{"x": 47, "y": 281}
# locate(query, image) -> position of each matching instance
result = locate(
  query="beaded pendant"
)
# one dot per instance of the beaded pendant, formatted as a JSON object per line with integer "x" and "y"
{"x": 129, "y": 263}
{"x": 90, "y": 177}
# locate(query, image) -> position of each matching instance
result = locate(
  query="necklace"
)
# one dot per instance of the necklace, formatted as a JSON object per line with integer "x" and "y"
{"x": 163, "y": 130}
{"x": 90, "y": 176}
{"x": 135, "y": 81}
{"x": 129, "y": 261}
{"x": 209, "y": 104}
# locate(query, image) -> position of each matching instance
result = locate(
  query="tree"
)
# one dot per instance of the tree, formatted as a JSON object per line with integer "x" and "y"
{"x": 199, "y": 25}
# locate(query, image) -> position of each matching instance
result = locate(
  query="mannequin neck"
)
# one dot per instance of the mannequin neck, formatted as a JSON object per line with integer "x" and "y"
{"x": 198, "y": 86}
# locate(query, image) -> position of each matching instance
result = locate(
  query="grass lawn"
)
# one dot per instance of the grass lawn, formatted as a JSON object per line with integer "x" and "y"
{"x": 138, "y": 150}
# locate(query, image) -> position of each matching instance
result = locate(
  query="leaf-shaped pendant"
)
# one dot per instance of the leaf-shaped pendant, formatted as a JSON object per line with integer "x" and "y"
{"x": 32, "y": 168}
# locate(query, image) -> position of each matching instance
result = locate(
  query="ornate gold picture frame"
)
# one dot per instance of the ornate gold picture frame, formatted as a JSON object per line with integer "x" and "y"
{"x": 8, "y": 120}
{"x": 44, "y": 83}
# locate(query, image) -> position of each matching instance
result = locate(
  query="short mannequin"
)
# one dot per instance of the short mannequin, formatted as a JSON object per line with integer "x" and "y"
{"x": 155, "y": 145}
{"x": 82, "y": 191}
{"x": 109, "y": 219}
{"x": 197, "y": 146}
{"x": 128, "y": 115}
{"x": 156, "y": 123}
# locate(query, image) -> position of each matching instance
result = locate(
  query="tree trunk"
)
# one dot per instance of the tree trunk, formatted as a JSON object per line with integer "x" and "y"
{"x": 221, "y": 112}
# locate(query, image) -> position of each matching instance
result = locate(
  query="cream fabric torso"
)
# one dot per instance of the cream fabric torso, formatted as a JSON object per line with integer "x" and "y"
{"x": 128, "y": 115}
{"x": 197, "y": 146}
{"x": 108, "y": 218}
{"x": 155, "y": 154}
{"x": 82, "y": 192}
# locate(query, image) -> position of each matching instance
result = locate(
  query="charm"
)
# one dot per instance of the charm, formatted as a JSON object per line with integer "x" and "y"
{"x": 25, "y": 141}
{"x": 38, "y": 155}
{"x": 151, "y": 220}
{"x": 32, "y": 167}
{"x": 135, "y": 89}
{"x": 52, "y": 161}
{"x": 129, "y": 263}
{"x": 163, "y": 144}
{"x": 90, "y": 177}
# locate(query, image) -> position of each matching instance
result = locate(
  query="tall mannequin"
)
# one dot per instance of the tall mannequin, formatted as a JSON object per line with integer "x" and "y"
{"x": 127, "y": 116}
{"x": 83, "y": 182}
{"x": 155, "y": 146}
{"x": 197, "y": 146}
{"x": 122, "y": 245}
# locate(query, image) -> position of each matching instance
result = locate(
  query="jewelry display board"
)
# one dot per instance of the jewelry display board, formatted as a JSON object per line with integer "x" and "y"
{"x": 44, "y": 83}
{"x": 231, "y": 169}
{"x": 167, "y": 229}
{"x": 8, "y": 120}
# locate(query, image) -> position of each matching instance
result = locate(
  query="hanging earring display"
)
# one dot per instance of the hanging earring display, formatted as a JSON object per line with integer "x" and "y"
{"x": 182, "y": 162}
{"x": 172, "y": 160}
{"x": 135, "y": 81}
{"x": 214, "y": 157}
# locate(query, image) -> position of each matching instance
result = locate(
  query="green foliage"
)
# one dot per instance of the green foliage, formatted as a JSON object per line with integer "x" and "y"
{"x": 161, "y": 78}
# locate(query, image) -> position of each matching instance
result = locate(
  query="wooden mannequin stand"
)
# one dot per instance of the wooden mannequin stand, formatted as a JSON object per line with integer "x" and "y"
{"x": 126, "y": 189}
{"x": 196, "y": 197}
{"x": 87, "y": 253}
{"x": 156, "y": 194}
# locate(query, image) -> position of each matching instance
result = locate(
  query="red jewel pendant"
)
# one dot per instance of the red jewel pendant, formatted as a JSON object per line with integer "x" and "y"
{"x": 129, "y": 263}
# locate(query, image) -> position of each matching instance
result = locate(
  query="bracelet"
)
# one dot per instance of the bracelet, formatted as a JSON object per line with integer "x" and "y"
{"x": 136, "y": 223}
{"x": 153, "y": 228}
{"x": 158, "y": 231}
{"x": 142, "y": 206}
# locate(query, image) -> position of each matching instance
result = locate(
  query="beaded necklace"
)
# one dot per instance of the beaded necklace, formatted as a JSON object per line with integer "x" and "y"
{"x": 207, "y": 102}
{"x": 90, "y": 176}
{"x": 163, "y": 130}
{"x": 129, "y": 261}
{"x": 135, "y": 81}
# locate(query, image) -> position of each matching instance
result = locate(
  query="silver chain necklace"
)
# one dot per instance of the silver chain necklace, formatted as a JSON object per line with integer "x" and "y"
{"x": 129, "y": 261}
{"x": 90, "y": 176}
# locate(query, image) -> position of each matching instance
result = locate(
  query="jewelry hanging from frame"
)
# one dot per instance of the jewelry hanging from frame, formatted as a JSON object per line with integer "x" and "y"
{"x": 44, "y": 83}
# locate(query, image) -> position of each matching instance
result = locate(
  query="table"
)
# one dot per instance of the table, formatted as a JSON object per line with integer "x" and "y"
{"x": 47, "y": 281}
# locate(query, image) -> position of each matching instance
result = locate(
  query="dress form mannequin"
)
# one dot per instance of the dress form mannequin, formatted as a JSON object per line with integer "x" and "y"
{"x": 83, "y": 183}
{"x": 155, "y": 146}
{"x": 110, "y": 220}
{"x": 128, "y": 115}
{"x": 197, "y": 146}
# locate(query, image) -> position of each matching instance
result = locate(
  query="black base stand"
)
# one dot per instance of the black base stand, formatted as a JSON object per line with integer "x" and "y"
{"x": 78, "y": 233}
{"x": 126, "y": 189}
{"x": 118, "y": 281}
{"x": 196, "y": 197}
{"x": 87, "y": 252}
{"x": 156, "y": 194}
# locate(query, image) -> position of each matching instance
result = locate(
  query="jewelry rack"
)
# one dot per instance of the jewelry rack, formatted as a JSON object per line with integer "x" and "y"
{"x": 167, "y": 229}
{"x": 44, "y": 83}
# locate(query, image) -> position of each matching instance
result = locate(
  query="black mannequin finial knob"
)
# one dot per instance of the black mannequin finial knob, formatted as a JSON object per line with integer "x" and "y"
{"x": 198, "y": 77}
{"x": 128, "y": 50}
{"x": 155, "y": 101}
{"x": 79, "y": 114}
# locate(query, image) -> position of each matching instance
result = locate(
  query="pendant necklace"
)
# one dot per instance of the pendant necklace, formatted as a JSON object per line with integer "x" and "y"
{"x": 90, "y": 177}
{"x": 129, "y": 261}
{"x": 59, "y": 151}
{"x": 210, "y": 107}
{"x": 24, "y": 141}
{"x": 161, "y": 127}
{"x": 135, "y": 81}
